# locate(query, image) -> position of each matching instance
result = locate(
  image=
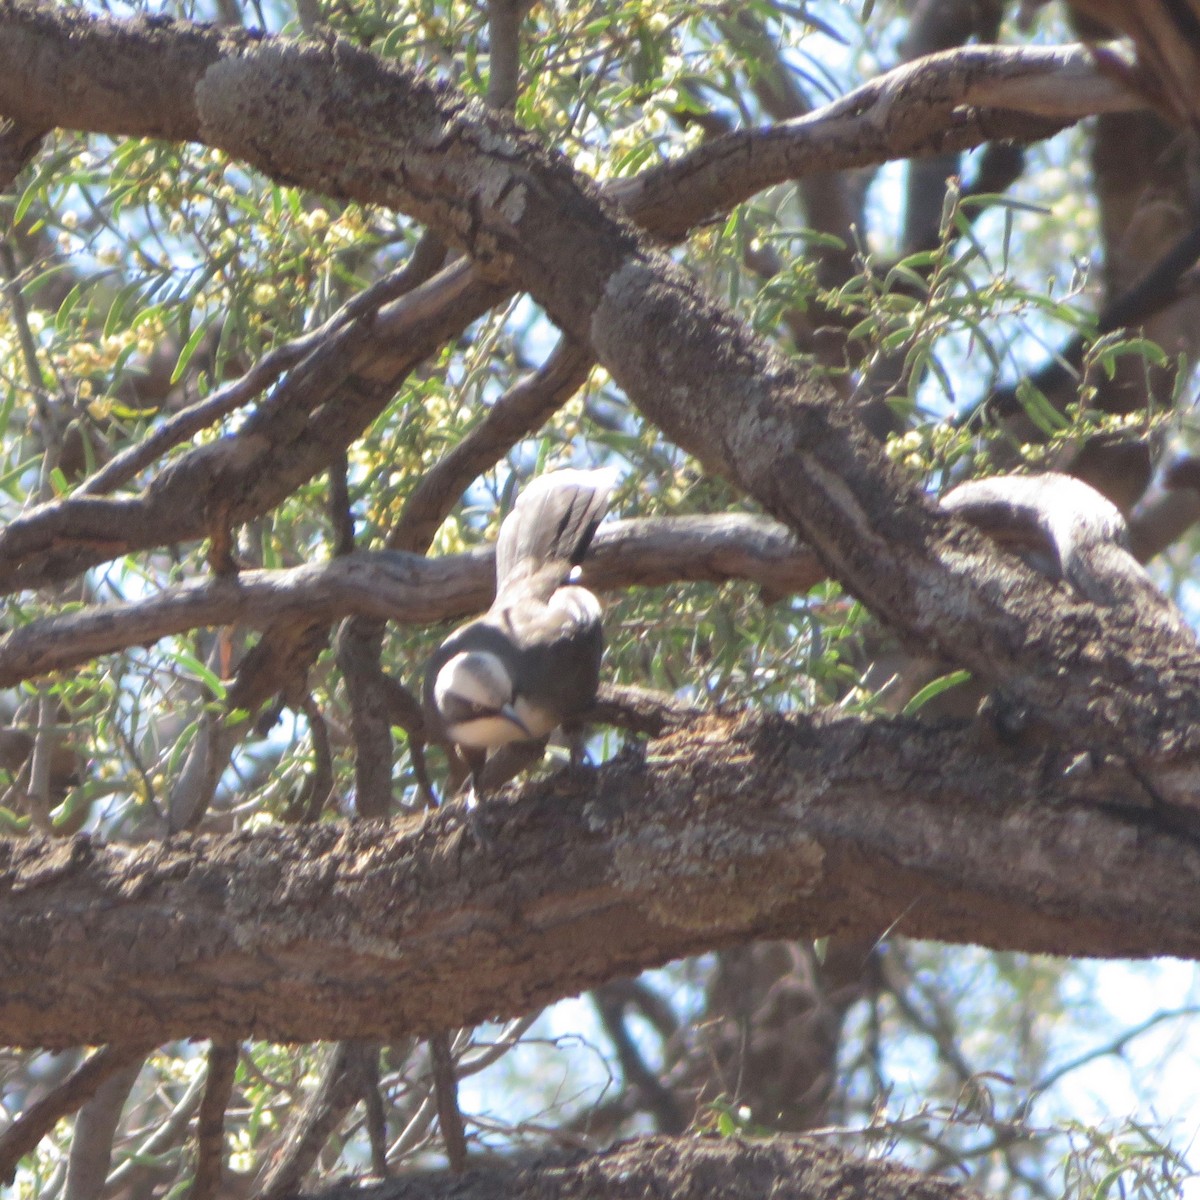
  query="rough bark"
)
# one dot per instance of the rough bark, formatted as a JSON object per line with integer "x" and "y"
{"x": 729, "y": 830}
{"x": 696, "y": 1168}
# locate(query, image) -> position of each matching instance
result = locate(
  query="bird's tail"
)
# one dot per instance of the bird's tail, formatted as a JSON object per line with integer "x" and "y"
{"x": 551, "y": 526}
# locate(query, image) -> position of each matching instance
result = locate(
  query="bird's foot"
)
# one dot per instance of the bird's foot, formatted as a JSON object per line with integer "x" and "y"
{"x": 578, "y": 759}
{"x": 471, "y": 819}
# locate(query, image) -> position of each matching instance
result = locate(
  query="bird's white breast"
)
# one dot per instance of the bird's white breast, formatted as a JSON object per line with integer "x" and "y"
{"x": 485, "y": 733}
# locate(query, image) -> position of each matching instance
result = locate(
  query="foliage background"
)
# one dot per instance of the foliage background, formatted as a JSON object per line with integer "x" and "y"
{"x": 141, "y": 276}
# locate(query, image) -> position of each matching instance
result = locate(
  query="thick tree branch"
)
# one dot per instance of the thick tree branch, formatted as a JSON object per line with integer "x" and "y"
{"x": 954, "y": 100}
{"x": 728, "y": 830}
{"x": 322, "y": 406}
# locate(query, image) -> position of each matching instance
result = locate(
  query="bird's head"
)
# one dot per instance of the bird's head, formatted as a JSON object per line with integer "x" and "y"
{"x": 474, "y": 694}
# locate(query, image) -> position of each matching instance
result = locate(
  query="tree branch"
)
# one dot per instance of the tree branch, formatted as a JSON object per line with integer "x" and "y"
{"x": 394, "y": 585}
{"x": 688, "y": 1168}
{"x": 955, "y": 100}
{"x": 37, "y": 1119}
{"x": 210, "y": 1124}
{"x": 524, "y": 408}
{"x": 728, "y": 830}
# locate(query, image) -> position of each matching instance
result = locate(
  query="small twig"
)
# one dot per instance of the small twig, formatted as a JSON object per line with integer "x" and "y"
{"x": 525, "y": 407}
{"x": 445, "y": 1088}
{"x": 1114, "y": 1047}
{"x": 417, "y": 1129}
{"x": 334, "y": 1096}
{"x": 210, "y": 1125}
{"x": 308, "y": 806}
{"x": 187, "y": 423}
{"x": 376, "y": 1117}
{"x": 261, "y": 376}
{"x": 50, "y": 422}
{"x": 23, "y": 1135}
{"x": 169, "y": 1133}
{"x": 1161, "y": 286}
{"x": 404, "y": 711}
{"x": 509, "y": 1037}
{"x": 938, "y": 1026}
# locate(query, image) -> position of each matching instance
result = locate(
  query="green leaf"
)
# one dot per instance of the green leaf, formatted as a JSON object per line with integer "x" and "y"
{"x": 190, "y": 347}
{"x": 935, "y": 688}
{"x": 1039, "y": 410}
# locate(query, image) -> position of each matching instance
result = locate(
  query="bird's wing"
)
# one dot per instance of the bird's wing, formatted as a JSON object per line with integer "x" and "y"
{"x": 561, "y": 644}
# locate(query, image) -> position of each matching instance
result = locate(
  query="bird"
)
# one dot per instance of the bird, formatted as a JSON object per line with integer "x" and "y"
{"x": 531, "y": 663}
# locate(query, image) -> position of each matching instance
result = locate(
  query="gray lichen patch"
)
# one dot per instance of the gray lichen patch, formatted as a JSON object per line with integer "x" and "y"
{"x": 716, "y": 874}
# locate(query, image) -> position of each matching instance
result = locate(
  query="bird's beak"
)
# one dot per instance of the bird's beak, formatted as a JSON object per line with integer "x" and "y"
{"x": 507, "y": 711}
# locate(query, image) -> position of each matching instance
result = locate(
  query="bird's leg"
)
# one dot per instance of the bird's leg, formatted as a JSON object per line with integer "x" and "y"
{"x": 472, "y": 792}
{"x": 416, "y": 752}
{"x": 576, "y": 739}
{"x": 476, "y": 760}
